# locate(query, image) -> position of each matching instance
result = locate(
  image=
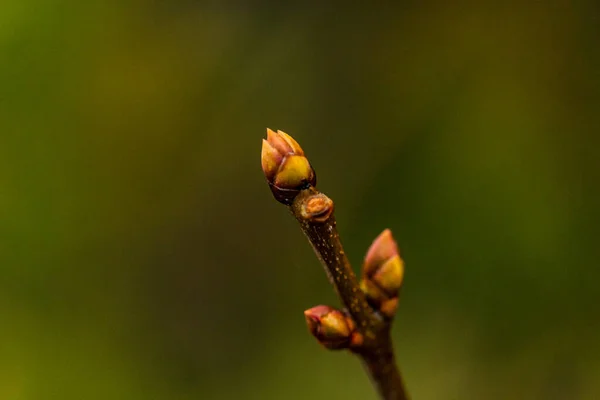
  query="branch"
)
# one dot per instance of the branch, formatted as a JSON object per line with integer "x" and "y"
{"x": 370, "y": 306}
{"x": 314, "y": 212}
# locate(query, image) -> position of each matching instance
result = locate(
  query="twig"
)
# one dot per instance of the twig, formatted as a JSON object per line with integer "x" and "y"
{"x": 370, "y": 304}
{"x": 314, "y": 212}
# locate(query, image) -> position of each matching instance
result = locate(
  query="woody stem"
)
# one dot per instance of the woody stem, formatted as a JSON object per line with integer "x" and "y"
{"x": 314, "y": 212}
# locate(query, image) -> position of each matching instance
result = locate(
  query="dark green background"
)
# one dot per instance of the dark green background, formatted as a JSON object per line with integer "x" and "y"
{"x": 143, "y": 257}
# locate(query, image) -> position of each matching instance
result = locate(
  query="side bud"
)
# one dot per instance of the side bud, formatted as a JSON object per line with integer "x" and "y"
{"x": 332, "y": 328}
{"x": 383, "y": 272}
{"x": 286, "y": 168}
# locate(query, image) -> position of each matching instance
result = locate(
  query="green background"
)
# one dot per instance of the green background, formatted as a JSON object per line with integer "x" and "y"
{"x": 142, "y": 255}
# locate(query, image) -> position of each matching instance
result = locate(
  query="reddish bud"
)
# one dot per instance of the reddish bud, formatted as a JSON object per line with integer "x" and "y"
{"x": 330, "y": 326}
{"x": 383, "y": 273}
{"x": 286, "y": 168}
{"x": 382, "y": 249}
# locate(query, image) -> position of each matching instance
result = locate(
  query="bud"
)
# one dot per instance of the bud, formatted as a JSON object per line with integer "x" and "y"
{"x": 383, "y": 265}
{"x": 383, "y": 272}
{"x": 286, "y": 168}
{"x": 382, "y": 249}
{"x": 330, "y": 326}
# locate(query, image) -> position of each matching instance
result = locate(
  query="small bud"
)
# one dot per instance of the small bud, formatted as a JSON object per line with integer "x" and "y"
{"x": 383, "y": 272}
{"x": 316, "y": 208}
{"x": 330, "y": 326}
{"x": 286, "y": 168}
{"x": 383, "y": 248}
{"x": 383, "y": 265}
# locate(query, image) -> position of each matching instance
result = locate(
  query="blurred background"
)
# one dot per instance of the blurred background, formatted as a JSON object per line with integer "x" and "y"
{"x": 142, "y": 255}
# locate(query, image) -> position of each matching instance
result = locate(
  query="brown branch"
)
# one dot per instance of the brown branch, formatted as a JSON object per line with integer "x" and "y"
{"x": 293, "y": 181}
{"x": 314, "y": 212}
{"x": 380, "y": 363}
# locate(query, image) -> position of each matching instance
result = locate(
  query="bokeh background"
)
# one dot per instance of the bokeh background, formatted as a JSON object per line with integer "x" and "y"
{"x": 143, "y": 257}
